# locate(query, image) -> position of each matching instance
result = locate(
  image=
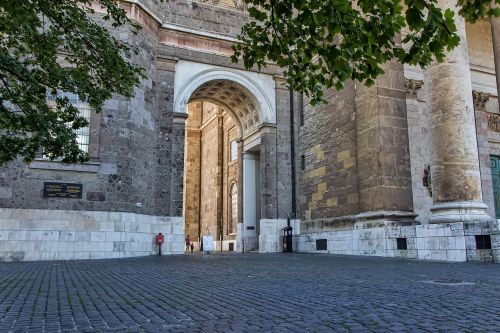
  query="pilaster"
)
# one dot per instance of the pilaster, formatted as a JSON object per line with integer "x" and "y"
{"x": 163, "y": 88}
{"x": 283, "y": 148}
{"x": 268, "y": 179}
{"x": 495, "y": 35}
{"x": 383, "y": 157}
{"x": 480, "y": 99}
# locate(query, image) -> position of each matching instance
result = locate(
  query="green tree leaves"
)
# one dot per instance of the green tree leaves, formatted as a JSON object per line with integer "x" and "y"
{"x": 323, "y": 43}
{"x": 53, "y": 45}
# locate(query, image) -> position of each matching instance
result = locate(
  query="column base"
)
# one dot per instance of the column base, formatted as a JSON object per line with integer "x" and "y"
{"x": 384, "y": 218}
{"x": 459, "y": 211}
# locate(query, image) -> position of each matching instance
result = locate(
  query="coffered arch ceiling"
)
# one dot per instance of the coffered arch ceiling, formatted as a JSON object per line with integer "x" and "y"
{"x": 233, "y": 97}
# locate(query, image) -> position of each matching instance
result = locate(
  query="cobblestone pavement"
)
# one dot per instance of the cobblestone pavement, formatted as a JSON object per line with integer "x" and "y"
{"x": 249, "y": 293}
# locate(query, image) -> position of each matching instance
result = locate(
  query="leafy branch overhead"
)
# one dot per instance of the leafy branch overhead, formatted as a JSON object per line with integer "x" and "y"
{"x": 48, "y": 46}
{"x": 323, "y": 43}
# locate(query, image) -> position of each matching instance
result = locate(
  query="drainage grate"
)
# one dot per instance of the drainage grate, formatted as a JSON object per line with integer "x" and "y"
{"x": 402, "y": 243}
{"x": 321, "y": 244}
{"x": 483, "y": 242}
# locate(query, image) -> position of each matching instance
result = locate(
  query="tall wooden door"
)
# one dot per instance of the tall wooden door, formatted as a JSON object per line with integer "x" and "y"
{"x": 495, "y": 175}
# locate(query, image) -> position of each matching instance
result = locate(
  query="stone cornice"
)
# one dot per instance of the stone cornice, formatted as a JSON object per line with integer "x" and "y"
{"x": 173, "y": 34}
{"x": 145, "y": 8}
{"x": 200, "y": 33}
{"x": 174, "y": 27}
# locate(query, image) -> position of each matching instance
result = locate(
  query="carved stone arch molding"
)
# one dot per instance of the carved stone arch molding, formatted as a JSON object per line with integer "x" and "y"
{"x": 250, "y": 97}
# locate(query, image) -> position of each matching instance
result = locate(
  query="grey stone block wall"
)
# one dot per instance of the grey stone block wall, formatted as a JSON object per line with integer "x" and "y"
{"x": 123, "y": 177}
{"x": 140, "y": 158}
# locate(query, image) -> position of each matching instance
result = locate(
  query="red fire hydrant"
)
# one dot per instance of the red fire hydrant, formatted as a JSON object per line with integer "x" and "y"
{"x": 159, "y": 240}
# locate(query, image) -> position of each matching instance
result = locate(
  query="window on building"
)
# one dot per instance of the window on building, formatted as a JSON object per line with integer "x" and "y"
{"x": 234, "y": 209}
{"x": 234, "y": 150}
{"x": 82, "y": 134}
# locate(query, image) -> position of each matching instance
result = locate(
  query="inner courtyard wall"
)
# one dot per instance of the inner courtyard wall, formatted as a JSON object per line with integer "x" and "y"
{"x": 192, "y": 170}
{"x": 210, "y": 173}
{"x": 210, "y": 189}
{"x": 231, "y": 176}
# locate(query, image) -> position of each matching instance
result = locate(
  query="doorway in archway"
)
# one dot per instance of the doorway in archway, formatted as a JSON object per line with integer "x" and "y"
{"x": 221, "y": 181}
{"x": 212, "y": 175}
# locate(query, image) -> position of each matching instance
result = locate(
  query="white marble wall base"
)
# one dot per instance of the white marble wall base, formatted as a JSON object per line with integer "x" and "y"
{"x": 271, "y": 234}
{"x": 225, "y": 245}
{"x": 442, "y": 242}
{"x": 35, "y": 234}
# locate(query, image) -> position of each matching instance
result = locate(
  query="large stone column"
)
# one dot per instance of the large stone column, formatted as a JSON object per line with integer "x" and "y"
{"x": 239, "y": 226}
{"x": 250, "y": 200}
{"x": 456, "y": 180}
{"x": 383, "y": 157}
{"x": 283, "y": 149}
{"x": 192, "y": 171}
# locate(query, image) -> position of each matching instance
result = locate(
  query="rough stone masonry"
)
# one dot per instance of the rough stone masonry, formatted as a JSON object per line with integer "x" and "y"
{"x": 409, "y": 167}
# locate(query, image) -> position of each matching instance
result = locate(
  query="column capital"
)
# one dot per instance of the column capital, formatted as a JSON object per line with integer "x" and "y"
{"x": 412, "y": 87}
{"x": 247, "y": 155}
{"x": 480, "y": 99}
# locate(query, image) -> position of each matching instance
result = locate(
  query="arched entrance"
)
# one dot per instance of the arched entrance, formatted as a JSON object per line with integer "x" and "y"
{"x": 229, "y": 112}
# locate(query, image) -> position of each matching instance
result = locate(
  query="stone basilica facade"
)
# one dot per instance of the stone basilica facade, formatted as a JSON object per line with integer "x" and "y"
{"x": 409, "y": 167}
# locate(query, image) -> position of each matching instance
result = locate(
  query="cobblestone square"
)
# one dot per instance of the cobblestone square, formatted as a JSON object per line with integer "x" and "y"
{"x": 249, "y": 293}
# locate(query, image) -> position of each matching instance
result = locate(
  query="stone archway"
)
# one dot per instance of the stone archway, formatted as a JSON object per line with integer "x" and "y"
{"x": 191, "y": 76}
{"x": 225, "y": 109}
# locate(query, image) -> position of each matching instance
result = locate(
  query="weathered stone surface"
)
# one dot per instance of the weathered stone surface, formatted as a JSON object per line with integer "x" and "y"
{"x": 454, "y": 163}
{"x": 5, "y": 192}
{"x": 383, "y": 156}
{"x": 96, "y": 196}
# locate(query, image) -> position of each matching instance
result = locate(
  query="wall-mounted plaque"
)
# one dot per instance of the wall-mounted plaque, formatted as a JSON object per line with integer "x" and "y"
{"x": 62, "y": 190}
